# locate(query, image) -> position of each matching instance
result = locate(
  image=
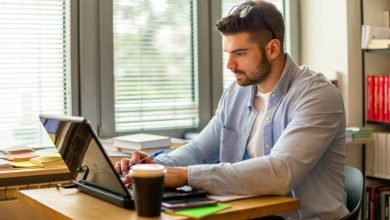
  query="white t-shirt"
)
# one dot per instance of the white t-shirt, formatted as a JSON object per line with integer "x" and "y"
{"x": 255, "y": 145}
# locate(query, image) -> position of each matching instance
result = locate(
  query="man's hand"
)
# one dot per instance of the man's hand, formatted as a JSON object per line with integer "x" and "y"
{"x": 136, "y": 157}
{"x": 176, "y": 176}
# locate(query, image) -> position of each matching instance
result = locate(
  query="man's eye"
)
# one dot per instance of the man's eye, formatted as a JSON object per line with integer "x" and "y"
{"x": 241, "y": 54}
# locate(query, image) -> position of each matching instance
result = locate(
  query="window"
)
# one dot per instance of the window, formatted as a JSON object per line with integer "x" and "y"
{"x": 155, "y": 65}
{"x": 34, "y": 67}
{"x": 228, "y": 76}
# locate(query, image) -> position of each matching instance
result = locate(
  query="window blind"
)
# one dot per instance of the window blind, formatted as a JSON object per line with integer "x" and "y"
{"x": 155, "y": 64}
{"x": 34, "y": 66}
{"x": 228, "y": 76}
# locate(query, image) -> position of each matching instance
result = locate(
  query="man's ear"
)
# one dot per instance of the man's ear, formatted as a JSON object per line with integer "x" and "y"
{"x": 273, "y": 49}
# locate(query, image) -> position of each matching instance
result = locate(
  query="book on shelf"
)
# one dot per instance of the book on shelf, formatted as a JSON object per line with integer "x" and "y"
{"x": 370, "y": 32}
{"x": 358, "y": 133}
{"x": 359, "y": 129}
{"x": 384, "y": 204}
{"x": 385, "y": 111}
{"x": 378, "y": 96}
{"x": 370, "y": 97}
{"x": 377, "y": 160}
{"x": 386, "y": 18}
{"x": 379, "y": 44}
{"x": 141, "y": 141}
{"x": 374, "y": 207}
{"x": 367, "y": 203}
{"x": 383, "y": 42}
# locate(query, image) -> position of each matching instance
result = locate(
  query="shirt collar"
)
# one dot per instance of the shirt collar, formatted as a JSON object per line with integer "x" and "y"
{"x": 283, "y": 84}
{"x": 288, "y": 74}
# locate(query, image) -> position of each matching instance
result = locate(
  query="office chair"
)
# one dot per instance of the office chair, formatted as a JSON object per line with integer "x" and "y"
{"x": 354, "y": 187}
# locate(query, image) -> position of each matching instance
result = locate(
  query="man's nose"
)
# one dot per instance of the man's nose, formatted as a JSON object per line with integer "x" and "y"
{"x": 230, "y": 63}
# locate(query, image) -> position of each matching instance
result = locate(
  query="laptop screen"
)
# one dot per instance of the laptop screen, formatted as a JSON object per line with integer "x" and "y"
{"x": 80, "y": 147}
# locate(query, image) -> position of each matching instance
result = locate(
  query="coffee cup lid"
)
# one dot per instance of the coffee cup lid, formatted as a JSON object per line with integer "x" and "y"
{"x": 147, "y": 170}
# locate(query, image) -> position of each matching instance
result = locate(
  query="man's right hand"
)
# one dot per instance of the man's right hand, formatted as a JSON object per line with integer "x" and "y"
{"x": 136, "y": 157}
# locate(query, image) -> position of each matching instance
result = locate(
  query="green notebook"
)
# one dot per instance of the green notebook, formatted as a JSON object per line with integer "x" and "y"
{"x": 200, "y": 212}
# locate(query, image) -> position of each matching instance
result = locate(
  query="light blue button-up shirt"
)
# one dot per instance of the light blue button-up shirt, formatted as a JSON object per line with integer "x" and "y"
{"x": 304, "y": 145}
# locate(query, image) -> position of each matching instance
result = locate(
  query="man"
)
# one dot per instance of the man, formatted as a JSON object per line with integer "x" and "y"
{"x": 279, "y": 129}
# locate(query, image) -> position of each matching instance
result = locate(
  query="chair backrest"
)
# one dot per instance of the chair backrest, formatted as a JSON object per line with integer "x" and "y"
{"x": 354, "y": 187}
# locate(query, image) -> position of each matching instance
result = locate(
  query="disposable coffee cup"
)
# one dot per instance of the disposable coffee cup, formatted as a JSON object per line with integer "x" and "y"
{"x": 148, "y": 182}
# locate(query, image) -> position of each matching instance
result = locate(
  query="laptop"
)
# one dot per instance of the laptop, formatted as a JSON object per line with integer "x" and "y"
{"x": 89, "y": 165}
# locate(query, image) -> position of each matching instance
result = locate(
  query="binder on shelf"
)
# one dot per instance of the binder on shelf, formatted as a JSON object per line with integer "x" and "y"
{"x": 386, "y": 98}
{"x": 383, "y": 203}
{"x": 387, "y": 156}
{"x": 377, "y": 156}
{"x": 370, "y": 98}
{"x": 381, "y": 155}
{"x": 378, "y": 98}
{"x": 369, "y": 159}
{"x": 367, "y": 204}
{"x": 375, "y": 200}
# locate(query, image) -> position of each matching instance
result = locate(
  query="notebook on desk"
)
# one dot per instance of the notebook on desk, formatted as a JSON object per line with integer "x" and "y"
{"x": 89, "y": 164}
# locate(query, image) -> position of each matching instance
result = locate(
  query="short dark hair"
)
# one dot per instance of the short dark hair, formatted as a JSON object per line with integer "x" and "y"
{"x": 261, "y": 19}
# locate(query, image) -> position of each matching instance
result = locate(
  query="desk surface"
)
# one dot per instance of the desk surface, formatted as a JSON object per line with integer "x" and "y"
{"x": 72, "y": 204}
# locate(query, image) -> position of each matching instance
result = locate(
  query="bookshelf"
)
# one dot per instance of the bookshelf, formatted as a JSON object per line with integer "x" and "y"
{"x": 374, "y": 62}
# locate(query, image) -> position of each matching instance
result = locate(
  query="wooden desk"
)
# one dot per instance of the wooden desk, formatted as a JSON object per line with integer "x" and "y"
{"x": 72, "y": 204}
{"x": 15, "y": 177}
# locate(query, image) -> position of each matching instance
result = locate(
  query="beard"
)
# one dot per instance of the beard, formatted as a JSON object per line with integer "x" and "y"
{"x": 261, "y": 73}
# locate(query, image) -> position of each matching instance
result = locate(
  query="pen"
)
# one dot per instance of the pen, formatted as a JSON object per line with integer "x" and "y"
{"x": 155, "y": 154}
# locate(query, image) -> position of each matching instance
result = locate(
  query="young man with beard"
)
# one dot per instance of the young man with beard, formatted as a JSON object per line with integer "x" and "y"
{"x": 279, "y": 129}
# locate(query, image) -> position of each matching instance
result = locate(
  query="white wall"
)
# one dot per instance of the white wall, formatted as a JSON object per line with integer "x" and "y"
{"x": 330, "y": 42}
{"x": 330, "y": 36}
